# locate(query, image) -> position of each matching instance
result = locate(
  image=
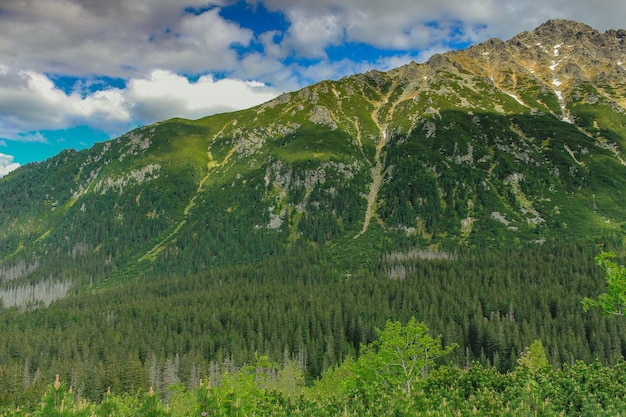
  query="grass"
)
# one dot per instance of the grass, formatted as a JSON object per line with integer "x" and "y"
{"x": 313, "y": 142}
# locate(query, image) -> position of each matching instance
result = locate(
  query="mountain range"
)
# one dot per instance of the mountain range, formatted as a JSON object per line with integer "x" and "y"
{"x": 506, "y": 143}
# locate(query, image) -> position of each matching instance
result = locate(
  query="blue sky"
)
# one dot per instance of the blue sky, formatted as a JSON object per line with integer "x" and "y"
{"x": 76, "y": 72}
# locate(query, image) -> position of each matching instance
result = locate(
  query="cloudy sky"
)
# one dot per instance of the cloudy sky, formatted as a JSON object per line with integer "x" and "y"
{"x": 75, "y": 72}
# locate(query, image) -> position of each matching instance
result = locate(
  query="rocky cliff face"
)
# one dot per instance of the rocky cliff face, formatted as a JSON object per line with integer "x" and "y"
{"x": 562, "y": 56}
{"x": 502, "y": 143}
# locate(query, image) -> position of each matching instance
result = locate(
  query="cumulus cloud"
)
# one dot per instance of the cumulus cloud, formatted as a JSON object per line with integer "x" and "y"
{"x": 407, "y": 24}
{"x": 147, "y": 43}
{"x": 7, "y": 165}
{"x": 164, "y": 94}
{"x": 30, "y": 101}
{"x": 125, "y": 38}
{"x": 311, "y": 33}
{"x": 117, "y": 37}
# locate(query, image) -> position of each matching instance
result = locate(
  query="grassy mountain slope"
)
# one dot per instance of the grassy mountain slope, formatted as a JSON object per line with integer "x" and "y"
{"x": 504, "y": 143}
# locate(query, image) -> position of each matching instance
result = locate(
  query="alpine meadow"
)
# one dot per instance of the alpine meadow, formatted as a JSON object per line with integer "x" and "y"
{"x": 411, "y": 242}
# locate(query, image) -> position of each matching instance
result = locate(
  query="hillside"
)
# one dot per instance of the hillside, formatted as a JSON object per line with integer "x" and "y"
{"x": 471, "y": 191}
{"x": 501, "y": 143}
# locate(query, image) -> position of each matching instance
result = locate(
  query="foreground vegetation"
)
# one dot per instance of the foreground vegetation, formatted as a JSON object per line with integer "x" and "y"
{"x": 159, "y": 332}
{"x": 401, "y": 370}
{"x": 396, "y": 376}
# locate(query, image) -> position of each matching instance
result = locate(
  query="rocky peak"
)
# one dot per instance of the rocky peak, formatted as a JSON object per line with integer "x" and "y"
{"x": 578, "y": 35}
{"x": 565, "y": 30}
{"x": 439, "y": 61}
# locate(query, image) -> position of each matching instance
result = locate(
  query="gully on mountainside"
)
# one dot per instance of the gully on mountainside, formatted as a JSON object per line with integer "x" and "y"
{"x": 378, "y": 170}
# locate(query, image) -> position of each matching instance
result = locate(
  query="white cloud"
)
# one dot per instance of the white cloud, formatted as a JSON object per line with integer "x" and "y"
{"x": 7, "y": 165}
{"x": 164, "y": 95}
{"x": 29, "y": 101}
{"x": 310, "y": 34}
{"x": 408, "y": 24}
{"x": 116, "y": 37}
{"x": 391, "y": 24}
{"x": 194, "y": 44}
{"x": 131, "y": 38}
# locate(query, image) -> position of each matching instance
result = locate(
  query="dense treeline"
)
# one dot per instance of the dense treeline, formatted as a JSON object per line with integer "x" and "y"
{"x": 372, "y": 385}
{"x": 492, "y": 304}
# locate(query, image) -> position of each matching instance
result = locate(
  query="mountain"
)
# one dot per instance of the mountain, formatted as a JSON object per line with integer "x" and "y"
{"x": 501, "y": 144}
{"x": 471, "y": 192}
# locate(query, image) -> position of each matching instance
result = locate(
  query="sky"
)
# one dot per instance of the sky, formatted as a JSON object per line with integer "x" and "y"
{"x": 76, "y": 72}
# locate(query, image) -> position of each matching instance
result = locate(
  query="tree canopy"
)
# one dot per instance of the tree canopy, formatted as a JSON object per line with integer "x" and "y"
{"x": 613, "y": 301}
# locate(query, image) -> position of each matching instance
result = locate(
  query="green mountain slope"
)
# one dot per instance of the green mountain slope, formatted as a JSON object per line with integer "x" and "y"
{"x": 505, "y": 143}
{"x": 471, "y": 192}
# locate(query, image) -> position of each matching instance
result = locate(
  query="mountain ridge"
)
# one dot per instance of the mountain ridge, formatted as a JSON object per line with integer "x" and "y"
{"x": 506, "y": 143}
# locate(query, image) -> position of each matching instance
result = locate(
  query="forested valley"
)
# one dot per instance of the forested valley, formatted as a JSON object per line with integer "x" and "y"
{"x": 421, "y": 241}
{"x": 301, "y": 313}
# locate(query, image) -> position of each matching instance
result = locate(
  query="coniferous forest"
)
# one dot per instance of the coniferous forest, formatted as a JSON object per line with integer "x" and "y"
{"x": 285, "y": 334}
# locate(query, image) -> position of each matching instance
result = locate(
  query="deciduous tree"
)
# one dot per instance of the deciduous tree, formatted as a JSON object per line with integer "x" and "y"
{"x": 401, "y": 354}
{"x": 613, "y": 302}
